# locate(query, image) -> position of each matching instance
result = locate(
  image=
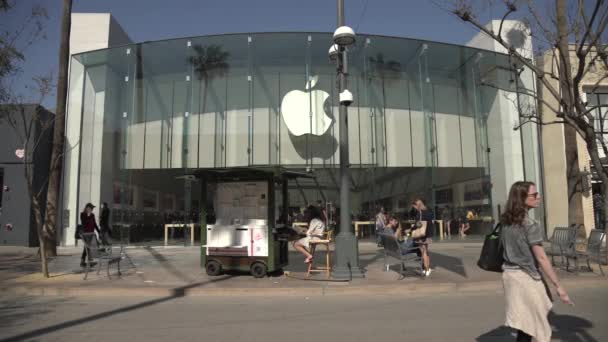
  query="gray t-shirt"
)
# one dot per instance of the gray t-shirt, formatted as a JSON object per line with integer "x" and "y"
{"x": 518, "y": 241}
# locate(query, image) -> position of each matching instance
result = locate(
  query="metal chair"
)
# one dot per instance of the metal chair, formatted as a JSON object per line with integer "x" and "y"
{"x": 594, "y": 248}
{"x": 563, "y": 244}
{"x": 569, "y": 246}
{"x": 392, "y": 248}
{"x": 95, "y": 252}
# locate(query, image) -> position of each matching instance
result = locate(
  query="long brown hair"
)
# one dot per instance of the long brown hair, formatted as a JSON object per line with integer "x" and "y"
{"x": 516, "y": 208}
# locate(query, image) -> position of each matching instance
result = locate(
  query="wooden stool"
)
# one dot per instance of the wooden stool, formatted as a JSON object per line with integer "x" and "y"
{"x": 313, "y": 247}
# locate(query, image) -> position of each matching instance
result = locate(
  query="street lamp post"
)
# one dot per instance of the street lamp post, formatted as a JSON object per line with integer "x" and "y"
{"x": 347, "y": 250}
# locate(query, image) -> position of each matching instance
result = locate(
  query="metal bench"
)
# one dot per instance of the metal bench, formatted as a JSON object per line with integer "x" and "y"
{"x": 594, "y": 249}
{"x": 563, "y": 244}
{"x": 392, "y": 248}
{"x": 99, "y": 254}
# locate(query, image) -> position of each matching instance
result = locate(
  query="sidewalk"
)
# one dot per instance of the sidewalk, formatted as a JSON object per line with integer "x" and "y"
{"x": 175, "y": 271}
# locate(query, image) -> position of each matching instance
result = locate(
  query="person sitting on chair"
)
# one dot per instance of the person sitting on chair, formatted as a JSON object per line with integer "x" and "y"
{"x": 315, "y": 231}
{"x": 380, "y": 225}
{"x": 401, "y": 235}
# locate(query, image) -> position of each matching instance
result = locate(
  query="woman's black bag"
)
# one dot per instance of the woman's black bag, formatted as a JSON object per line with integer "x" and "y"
{"x": 491, "y": 257}
{"x": 78, "y": 232}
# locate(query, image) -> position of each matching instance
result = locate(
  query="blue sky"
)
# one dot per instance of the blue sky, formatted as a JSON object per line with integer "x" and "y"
{"x": 146, "y": 20}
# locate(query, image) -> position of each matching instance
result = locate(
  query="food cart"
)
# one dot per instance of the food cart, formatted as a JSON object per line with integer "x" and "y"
{"x": 250, "y": 232}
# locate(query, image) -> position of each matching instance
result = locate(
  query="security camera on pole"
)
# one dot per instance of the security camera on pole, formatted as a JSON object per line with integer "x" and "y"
{"x": 347, "y": 250}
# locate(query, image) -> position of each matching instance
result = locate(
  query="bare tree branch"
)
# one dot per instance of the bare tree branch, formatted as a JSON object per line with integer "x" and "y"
{"x": 557, "y": 112}
{"x": 465, "y": 16}
{"x": 510, "y": 9}
{"x": 598, "y": 84}
{"x": 589, "y": 27}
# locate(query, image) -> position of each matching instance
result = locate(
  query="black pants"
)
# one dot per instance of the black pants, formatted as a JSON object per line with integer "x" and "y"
{"x": 84, "y": 254}
{"x": 523, "y": 337}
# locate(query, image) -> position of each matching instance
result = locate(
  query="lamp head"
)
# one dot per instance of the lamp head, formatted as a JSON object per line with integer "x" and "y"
{"x": 346, "y": 98}
{"x": 344, "y": 36}
{"x": 334, "y": 51}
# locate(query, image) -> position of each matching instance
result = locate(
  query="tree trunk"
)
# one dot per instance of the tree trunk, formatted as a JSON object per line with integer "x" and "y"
{"x": 575, "y": 198}
{"x": 42, "y": 241}
{"x": 50, "y": 222}
{"x": 573, "y": 177}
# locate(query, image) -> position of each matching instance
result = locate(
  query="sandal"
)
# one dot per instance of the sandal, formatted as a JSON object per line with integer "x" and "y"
{"x": 308, "y": 260}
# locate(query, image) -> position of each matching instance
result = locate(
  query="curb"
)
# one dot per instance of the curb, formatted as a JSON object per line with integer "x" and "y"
{"x": 413, "y": 290}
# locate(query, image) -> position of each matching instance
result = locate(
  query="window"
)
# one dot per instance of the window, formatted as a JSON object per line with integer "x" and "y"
{"x": 443, "y": 196}
{"x": 478, "y": 191}
{"x": 600, "y": 113}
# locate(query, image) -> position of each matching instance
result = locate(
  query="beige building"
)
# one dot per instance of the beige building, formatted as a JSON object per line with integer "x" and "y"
{"x": 555, "y": 139}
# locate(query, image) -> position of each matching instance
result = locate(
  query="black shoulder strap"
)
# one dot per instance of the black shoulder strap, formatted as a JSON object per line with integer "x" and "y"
{"x": 497, "y": 228}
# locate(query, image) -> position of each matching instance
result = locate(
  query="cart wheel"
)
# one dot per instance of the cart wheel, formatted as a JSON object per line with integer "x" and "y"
{"x": 213, "y": 268}
{"x": 258, "y": 270}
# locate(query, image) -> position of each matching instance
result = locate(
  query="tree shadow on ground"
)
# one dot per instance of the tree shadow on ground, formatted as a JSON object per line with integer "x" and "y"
{"x": 168, "y": 266}
{"x": 17, "y": 311}
{"x": 565, "y": 328}
{"x": 177, "y": 292}
{"x": 18, "y": 264}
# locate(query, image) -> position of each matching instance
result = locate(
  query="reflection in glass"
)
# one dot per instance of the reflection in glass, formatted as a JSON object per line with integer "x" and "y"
{"x": 429, "y": 120}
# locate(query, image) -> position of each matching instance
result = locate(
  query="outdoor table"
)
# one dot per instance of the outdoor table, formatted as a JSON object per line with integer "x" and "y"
{"x": 180, "y": 225}
{"x": 362, "y": 223}
{"x": 440, "y": 224}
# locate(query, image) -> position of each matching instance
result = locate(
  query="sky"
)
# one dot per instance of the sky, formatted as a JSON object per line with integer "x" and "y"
{"x": 146, "y": 20}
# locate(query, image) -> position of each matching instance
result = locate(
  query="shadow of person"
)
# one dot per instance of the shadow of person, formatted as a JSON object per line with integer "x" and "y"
{"x": 571, "y": 328}
{"x": 500, "y": 334}
{"x": 565, "y": 328}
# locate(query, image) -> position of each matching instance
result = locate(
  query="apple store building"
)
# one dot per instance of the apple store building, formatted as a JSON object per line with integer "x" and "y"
{"x": 429, "y": 120}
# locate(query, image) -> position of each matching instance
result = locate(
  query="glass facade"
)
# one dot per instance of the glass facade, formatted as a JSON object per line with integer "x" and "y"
{"x": 429, "y": 120}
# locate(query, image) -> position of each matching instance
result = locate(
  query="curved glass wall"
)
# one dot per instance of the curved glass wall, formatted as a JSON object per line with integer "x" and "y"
{"x": 429, "y": 120}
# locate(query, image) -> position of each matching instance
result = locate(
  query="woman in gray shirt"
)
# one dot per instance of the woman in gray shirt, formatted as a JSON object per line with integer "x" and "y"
{"x": 527, "y": 297}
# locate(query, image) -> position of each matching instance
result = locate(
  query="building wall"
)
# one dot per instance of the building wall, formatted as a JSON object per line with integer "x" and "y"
{"x": 140, "y": 110}
{"x": 554, "y": 144}
{"x": 86, "y": 96}
{"x": 15, "y": 206}
{"x": 16, "y": 209}
{"x": 514, "y": 153}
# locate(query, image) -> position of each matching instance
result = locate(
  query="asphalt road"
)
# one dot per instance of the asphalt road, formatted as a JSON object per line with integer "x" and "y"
{"x": 450, "y": 317}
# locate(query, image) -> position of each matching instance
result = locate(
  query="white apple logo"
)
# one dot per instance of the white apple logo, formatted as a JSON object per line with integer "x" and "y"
{"x": 298, "y": 106}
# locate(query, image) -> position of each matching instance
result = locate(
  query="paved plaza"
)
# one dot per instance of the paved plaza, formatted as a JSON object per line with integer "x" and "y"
{"x": 163, "y": 294}
{"x": 302, "y": 317}
{"x": 166, "y": 270}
